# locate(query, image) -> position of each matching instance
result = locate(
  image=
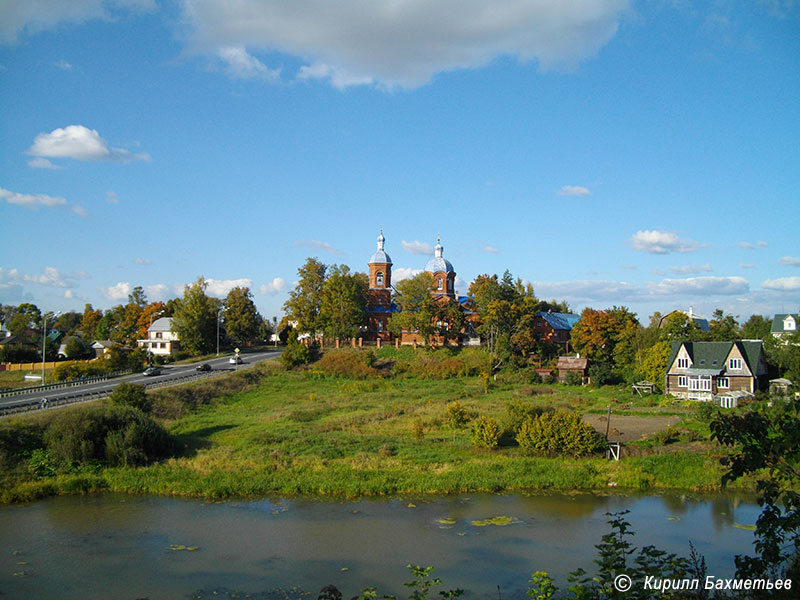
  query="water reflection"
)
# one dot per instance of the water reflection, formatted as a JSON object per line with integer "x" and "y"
{"x": 82, "y": 547}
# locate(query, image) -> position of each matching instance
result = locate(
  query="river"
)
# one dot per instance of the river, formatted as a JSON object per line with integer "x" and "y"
{"x": 130, "y": 547}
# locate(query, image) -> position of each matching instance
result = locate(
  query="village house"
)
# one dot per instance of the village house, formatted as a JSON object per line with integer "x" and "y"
{"x": 718, "y": 372}
{"x": 554, "y": 328}
{"x": 572, "y": 364}
{"x": 784, "y": 325}
{"x": 700, "y": 322}
{"x": 161, "y": 340}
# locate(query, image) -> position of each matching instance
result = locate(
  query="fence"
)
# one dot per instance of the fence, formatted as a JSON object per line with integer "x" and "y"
{"x": 26, "y": 366}
{"x": 60, "y": 385}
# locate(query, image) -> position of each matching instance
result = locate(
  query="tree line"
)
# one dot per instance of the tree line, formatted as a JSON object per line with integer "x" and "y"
{"x": 195, "y": 318}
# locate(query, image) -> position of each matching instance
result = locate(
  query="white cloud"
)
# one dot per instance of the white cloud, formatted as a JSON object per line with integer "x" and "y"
{"x": 574, "y": 190}
{"x": 117, "y": 292}
{"x": 491, "y": 249}
{"x": 277, "y": 285}
{"x": 404, "y": 273}
{"x": 416, "y": 247}
{"x": 749, "y": 246}
{"x": 691, "y": 269}
{"x": 62, "y": 64}
{"x": 35, "y": 16}
{"x": 79, "y": 210}
{"x": 32, "y": 201}
{"x": 42, "y": 163}
{"x": 406, "y": 42}
{"x": 221, "y": 287}
{"x": 80, "y": 143}
{"x": 142, "y": 261}
{"x": 243, "y": 65}
{"x": 629, "y": 267}
{"x": 782, "y": 284}
{"x": 700, "y": 286}
{"x": 317, "y": 245}
{"x": 158, "y": 292}
{"x": 661, "y": 242}
{"x": 790, "y": 261}
{"x": 338, "y": 78}
{"x": 112, "y": 198}
{"x": 587, "y": 291}
{"x": 747, "y": 266}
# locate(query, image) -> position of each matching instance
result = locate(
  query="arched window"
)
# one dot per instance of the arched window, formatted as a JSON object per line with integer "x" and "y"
{"x": 379, "y": 279}
{"x": 439, "y": 283}
{"x": 450, "y": 285}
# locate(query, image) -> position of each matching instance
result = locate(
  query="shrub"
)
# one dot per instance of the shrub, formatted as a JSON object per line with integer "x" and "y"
{"x": 113, "y": 435}
{"x": 457, "y": 415}
{"x": 485, "y": 432}
{"x": 17, "y": 440}
{"x": 356, "y": 364}
{"x": 573, "y": 378}
{"x": 133, "y": 395}
{"x": 296, "y": 354}
{"x": 418, "y": 430}
{"x": 517, "y": 412}
{"x": 560, "y": 432}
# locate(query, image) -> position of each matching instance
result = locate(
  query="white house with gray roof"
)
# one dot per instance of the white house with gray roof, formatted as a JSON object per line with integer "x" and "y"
{"x": 161, "y": 338}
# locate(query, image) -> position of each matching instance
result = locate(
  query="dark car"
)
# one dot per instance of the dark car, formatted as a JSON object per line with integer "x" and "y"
{"x": 203, "y": 367}
{"x": 151, "y": 371}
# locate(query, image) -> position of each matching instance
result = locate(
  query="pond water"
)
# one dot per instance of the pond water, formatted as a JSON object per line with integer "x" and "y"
{"x": 130, "y": 547}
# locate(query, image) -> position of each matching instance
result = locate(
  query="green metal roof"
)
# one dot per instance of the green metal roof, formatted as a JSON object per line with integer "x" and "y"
{"x": 712, "y": 355}
{"x": 777, "y": 322}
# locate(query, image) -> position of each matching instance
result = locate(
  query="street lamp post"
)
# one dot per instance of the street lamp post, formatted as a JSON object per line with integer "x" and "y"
{"x": 44, "y": 339}
{"x": 219, "y": 313}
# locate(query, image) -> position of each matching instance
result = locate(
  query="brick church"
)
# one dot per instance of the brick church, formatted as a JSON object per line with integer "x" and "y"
{"x": 380, "y": 306}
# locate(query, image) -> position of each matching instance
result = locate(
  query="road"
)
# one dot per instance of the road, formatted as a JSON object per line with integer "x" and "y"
{"x": 169, "y": 374}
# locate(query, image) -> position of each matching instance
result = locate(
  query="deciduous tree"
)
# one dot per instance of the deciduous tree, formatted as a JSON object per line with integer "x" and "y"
{"x": 195, "y": 320}
{"x": 343, "y": 308}
{"x": 305, "y": 299}
{"x": 241, "y": 317}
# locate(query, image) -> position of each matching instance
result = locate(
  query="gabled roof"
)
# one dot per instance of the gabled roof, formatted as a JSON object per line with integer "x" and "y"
{"x": 777, "y": 322}
{"x": 162, "y": 324}
{"x": 711, "y": 356}
{"x": 565, "y": 321}
{"x": 567, "y": 363}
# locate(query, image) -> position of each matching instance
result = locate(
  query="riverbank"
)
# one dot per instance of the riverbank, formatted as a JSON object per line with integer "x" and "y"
{"x": 309, "y": 433}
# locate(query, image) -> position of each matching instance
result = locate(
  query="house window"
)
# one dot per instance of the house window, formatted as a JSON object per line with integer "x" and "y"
{"x": 162, "y": 345}
{"x": 158, "y": 335}
{"x": 379, "y": 279}
{"x": 700, "y": 384}
{"x": 723, "y": 383}
{"x": 682, "y": 381}
{"x": 439, "y": 283}
{"x": 735, "y": 364}
{"x": 726, "y": 402}
{"x": 683, "y": 363}
{"x": 380, "y": 325}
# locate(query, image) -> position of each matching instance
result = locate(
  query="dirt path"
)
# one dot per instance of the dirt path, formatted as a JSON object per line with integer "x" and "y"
{"x": 630, "y": 428}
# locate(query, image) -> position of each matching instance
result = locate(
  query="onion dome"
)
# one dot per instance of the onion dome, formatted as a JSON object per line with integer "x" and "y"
{"x": 380, "y": 256}
{"x": 438, "y": 263}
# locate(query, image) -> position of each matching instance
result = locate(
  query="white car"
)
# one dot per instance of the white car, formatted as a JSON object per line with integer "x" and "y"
{"x": 235, "y": 360}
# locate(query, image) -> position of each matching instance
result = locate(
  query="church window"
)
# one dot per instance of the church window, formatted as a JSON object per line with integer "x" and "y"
{"x": 379, "y": 279}
{"x": 439, "y": 283}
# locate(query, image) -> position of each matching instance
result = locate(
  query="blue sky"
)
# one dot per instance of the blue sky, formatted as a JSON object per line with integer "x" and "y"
{"x": 642, "y": 154}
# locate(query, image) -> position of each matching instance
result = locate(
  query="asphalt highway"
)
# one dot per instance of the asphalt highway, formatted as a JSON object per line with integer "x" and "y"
{"x": 168, "y": 374}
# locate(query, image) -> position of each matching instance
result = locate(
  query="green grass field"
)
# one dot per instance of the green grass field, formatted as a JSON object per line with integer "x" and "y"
{"x": 310, "y": 433}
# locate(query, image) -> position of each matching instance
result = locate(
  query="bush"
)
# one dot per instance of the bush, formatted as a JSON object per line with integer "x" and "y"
{"x": 296, "y": 354}
{"x": 517, "y": 412}
{"x": 457, "y": 415}
{"x": 133, "y": 395}
{"x": 348, "y": 363}
{"x": 17, "y": 440}
{"x": 485, "y": 432}
{"x": 602, "y": 374}
{"x": 114, "y": 436}
{"x": 558, "y": 433}
{"x": 573, "y": 378}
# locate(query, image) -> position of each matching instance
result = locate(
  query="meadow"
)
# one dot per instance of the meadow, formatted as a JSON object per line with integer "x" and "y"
{"x": 380, "y": 428}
